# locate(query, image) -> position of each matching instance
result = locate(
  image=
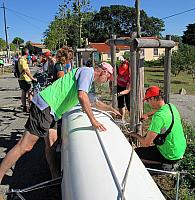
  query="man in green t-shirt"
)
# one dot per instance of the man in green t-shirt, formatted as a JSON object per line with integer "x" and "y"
{"x": 53, "y": 102}
{"x": 174, "y": 146}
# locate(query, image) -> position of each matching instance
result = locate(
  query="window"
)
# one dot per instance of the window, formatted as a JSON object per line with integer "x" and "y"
{"x": 155, "y": 52}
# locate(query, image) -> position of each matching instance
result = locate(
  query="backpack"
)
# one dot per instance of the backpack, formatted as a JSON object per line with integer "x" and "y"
{"x": 16, "y": 69}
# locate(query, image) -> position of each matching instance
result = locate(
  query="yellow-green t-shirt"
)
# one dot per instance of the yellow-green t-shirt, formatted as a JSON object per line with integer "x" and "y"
{"x": 175, "y": 143}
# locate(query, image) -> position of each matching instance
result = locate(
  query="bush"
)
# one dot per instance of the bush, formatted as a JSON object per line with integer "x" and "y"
{"x": 152, "y": 63}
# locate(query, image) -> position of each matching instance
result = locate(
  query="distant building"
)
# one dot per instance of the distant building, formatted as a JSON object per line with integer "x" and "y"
{"x": 149, "y": 54}
{"x": 39, "y": 48}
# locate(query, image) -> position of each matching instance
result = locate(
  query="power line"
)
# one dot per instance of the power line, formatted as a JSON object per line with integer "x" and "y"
{"x": 178, "y": 13}
{"x": 21, "y": 16}
{"x": 26, "y": 15}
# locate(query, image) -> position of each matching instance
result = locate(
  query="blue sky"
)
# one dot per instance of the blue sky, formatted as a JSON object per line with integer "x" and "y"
{"x": 29, "y": 19}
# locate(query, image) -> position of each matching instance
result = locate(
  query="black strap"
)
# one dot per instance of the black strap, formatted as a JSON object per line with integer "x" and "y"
{"x": 171, "y": 126}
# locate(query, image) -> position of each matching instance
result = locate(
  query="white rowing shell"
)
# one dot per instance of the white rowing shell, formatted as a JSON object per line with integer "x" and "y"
{"x": 94, "y": 164}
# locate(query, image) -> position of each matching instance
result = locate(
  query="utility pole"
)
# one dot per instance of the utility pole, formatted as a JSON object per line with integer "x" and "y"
{"x": 6, "y": 35}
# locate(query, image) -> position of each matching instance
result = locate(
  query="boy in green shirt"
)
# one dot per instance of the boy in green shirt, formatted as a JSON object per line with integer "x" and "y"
{"x": 174, "y": 146}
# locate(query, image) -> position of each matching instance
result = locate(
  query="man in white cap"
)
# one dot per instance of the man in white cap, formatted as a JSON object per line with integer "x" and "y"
{"x": 50, "y": 104}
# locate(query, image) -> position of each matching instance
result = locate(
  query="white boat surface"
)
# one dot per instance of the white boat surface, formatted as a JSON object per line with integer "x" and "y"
{"x": 94, "y": 163}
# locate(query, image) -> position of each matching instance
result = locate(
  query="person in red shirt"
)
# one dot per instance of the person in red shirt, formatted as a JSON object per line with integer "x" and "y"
{"x": 123, "y": 87}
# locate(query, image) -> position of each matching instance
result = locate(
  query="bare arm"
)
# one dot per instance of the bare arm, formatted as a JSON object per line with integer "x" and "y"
{"x": 102, "y": 106}
{"x": 27, "y": 71}
{"x": 85, "y": 103}
{"x": 145, "y": 141}
{"x": 60, "y": 74}
{"x": 147, "y": 115}
{"x": 69, "y": 70}
{"x": 126, "y": 91}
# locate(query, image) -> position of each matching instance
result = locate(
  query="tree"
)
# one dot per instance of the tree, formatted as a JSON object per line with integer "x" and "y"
{"x": 18, "y": 41}
{"x": 183, "y": 59}
{"x": 189, "y": 35}
{"x": 13, "y": 47}
{"x": 29, "y": 46}
{"x": 2, "y": 44}
{"x": 121, "y": 20}
{"x": 74, "y": 23}
{"x": 67, "y": 29}
{"x": 176, "y": 38}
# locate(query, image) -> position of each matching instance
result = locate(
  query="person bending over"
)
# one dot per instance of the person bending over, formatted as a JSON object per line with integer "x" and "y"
{"x": 50, "y": 104}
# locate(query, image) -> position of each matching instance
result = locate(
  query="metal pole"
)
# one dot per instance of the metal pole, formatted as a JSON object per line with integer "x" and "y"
{"x": 6, "y": 35}
{"x": 113, "y": 62}
{"x": 167, "y": 72}
{"x": 177, "y": 186}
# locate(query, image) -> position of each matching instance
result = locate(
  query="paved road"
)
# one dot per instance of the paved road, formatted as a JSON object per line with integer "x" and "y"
{"x": 32, "y": 168}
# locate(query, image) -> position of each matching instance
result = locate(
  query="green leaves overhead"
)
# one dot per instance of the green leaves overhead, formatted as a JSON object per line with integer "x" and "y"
{"x": 189, "y": 35}
{"x": 2, "y": 44}
{"x": 74, "y": 23}
{"x": 18, "y": 41}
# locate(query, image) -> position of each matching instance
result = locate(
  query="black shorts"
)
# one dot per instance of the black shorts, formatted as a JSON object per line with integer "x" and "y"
{"x": 124, "y": 99}
{"x": 24, "y": 85}
{"x": 40, "y": 121}
{"x": 152, "y": 153}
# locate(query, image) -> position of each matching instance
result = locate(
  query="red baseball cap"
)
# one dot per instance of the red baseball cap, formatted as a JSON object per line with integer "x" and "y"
{"x": 106, "y": 66}
{"x": 152, "y": 91}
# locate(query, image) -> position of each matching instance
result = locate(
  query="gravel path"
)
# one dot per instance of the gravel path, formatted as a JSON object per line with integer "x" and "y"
{"x": 186, "y": 106}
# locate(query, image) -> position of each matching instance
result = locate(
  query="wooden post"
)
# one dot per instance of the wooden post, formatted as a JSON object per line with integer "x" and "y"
{"x": 167, "y": 72}
{"x": 137, "y": 3}
{"x": 113, "y": 63}
{"x": 133, "y": 88}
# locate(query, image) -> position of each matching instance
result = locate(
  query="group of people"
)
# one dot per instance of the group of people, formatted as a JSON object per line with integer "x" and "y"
{"x": 72, "y": 87}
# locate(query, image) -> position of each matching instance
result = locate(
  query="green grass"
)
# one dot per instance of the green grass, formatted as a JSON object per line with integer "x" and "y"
{"x": 155, "y": 76}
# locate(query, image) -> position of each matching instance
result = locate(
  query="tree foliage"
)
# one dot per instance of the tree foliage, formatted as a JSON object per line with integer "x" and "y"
{"x": 121, "y": 20}
{"x": 74, "y": 23}
{"x": 67, "y": 25}
{"x": 29, "y": 46}
{"x": 18, "y": 41}
{"x": 189, "y": 35}
{"x": 2, "y": 44}
{"x": 183, "y": 59}
{"x": 13, "y": 47}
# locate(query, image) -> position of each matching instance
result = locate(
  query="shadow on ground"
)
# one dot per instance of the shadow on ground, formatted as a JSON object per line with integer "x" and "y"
{"x": 30, "y": 170}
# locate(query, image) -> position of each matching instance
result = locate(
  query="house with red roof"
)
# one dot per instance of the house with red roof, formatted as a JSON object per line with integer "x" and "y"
{"x": 104, "y": 51}
{"x": 39, "y": 48}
